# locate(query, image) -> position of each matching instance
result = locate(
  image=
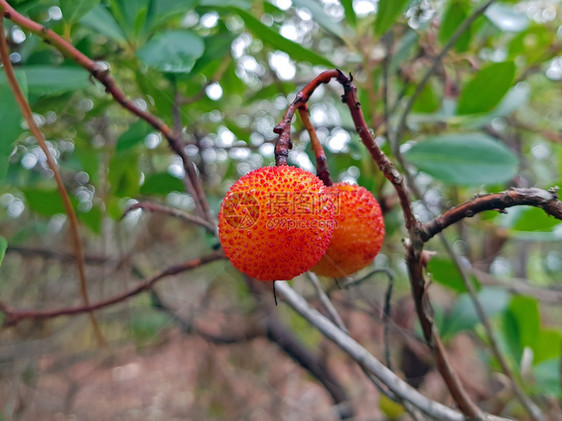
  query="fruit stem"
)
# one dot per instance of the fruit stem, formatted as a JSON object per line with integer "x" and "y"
{"x": 321, "y": 162}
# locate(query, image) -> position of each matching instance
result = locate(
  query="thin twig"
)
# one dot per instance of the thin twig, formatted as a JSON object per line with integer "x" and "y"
{"x": 14, "y": 316}
{"x": 191, "y": 179}
{"x": 328, "y": 305}
{"x": 68, "y": 208}
{"x": 386, "y": 320}
{"x": 436, "y": 63}
{"x": 321, "y": 162}
{"x": 176, "y": 213}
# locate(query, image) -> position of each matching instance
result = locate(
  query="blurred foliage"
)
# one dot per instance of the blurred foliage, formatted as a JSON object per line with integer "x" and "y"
{"x": 489, "y": 119}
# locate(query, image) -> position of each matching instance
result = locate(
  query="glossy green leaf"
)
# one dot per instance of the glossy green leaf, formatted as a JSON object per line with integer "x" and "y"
{"x": 172, "y": 51}
{"x": 457, "y": 11}
{"x": 74, "y": 10}
{"x": 103, "y": 22}
{"x": 444, "y": 272}
{"x": 277, "y": 41}
{"x": 134, "y": 136}
{"x": 463, "y": 315}
{"x": 3, "y": 247}
{"x": 52, "y": 80}
{"x": 44, "y": 202}
{"x": 161, "y": 184}
{"x": 487, "y": 88}
{"x": 387, "y": 13}
{"x": 464, "y": 159}
{"x": 522, "y": 324}
{"x": 507, "y": 18}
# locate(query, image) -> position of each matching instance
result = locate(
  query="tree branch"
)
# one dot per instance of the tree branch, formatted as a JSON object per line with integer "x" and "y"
{"x": 68, "y": 208}
{"x": 321, "y": 162}
{"x": 433, "y": 409}
{"x": 14, "y": 316}
{"x": 547, "y": 200}
{"x": 176, "y": 213}
{"x": 191, "y": 180}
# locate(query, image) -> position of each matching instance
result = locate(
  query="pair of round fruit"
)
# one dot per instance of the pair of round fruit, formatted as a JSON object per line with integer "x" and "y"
{"x": 278, "y": 222}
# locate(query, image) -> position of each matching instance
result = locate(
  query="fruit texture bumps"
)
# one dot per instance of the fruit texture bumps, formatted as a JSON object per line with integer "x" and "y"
{"x": 276, "y": 222}
{"x": 358, "y": 235}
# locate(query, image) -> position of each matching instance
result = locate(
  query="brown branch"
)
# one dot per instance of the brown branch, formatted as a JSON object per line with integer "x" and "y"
{"x": 14, "y": 316}
{"x": 191, "y": 179}
{"x": 69, "y": 210}
{"x": 283, "y": 129}
{"x": 176, "y": 213}
{"x": 546, "y": 200}
{"x": 321, "y": 162}
{"x": 414, "y": 246}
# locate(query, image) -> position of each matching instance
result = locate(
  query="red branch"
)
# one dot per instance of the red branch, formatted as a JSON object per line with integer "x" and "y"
{"x": 191, "y": 180}
{"x": 546, "y": 200}
{"x": 13, "y": 316}
{"x": 321, "y": 162}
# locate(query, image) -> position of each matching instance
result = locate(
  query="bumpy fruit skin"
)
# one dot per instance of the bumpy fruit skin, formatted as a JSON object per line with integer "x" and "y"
{"x": 276, "y": 222}
{"x": 358, "y": 235}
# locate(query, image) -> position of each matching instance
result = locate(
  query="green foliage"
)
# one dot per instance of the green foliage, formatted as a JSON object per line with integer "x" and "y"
{"x": 464, "y": 159}
{"x": 172, "y": 51}
{"x": 487, "y": 88}
{"x": 387, "y": 14}
{"x": 3, "y": 247}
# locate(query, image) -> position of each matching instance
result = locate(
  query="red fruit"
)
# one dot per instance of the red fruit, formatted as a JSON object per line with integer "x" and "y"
{"x": 358, "y": 235}
{"x": 276, "y": 222}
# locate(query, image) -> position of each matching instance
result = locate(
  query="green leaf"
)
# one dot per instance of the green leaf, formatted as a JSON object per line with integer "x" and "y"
{"x": 464, "y": 159}
{"x": 10, "y": 122}
{"x": 162, "y": 10}
{"x": 132, "y": 137}
{"x": 487, "y": 88}
{"x": 161, "y": 184}
{"x": 463, "y": 314}
{"x": 548, "y": 377}
{"x": 350, "y": 16}
{"x": 44, "y": 202}
{"x": 103, "y": 22}
{"x": 525, "y": 313}
{"x": 124, "y": 174}
{"x": 445, "y": 273}
{"x": 51, "y": 80}
{"x": 547, "y": 345}
{"x": 506, "y": 18}
{"x": 534, "y": 219}
{"x": 73, "y": 10}
{"x": 387, "y": 14}
{"x": 217, "y": 47}
{"x": 427, "y": 102}
{"x": 3, "y": 247}
{"x": 172, "y": 51}
{"x": 277, "y": 41}
{"x": 457, "y": 11}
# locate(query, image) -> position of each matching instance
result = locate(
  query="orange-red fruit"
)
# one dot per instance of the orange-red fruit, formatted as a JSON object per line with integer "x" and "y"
{"x": 276, "y": 222}
{"x": 358, "y": 235}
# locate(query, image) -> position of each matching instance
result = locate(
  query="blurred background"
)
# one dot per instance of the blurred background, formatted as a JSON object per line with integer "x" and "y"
{"x": 209, "y": 344}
